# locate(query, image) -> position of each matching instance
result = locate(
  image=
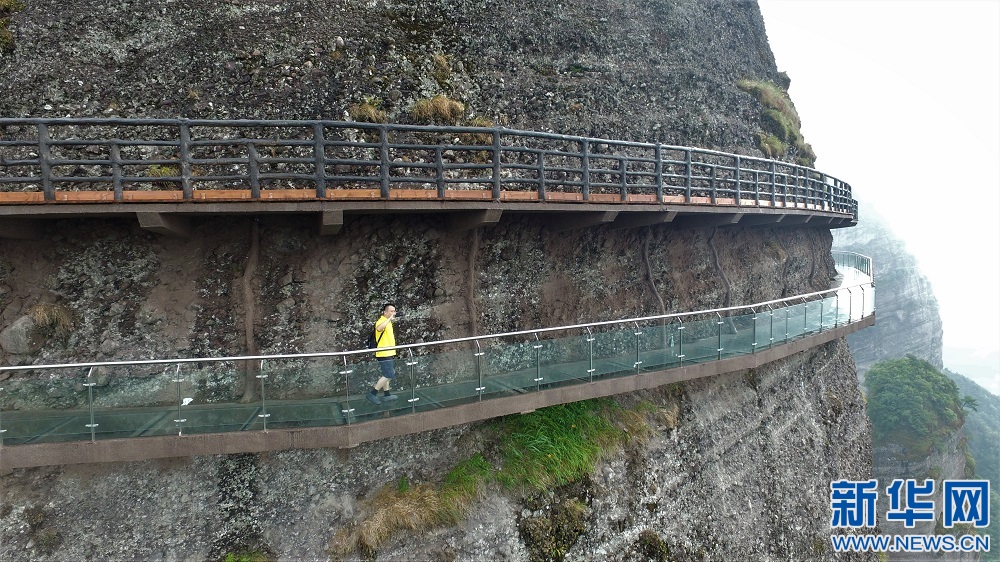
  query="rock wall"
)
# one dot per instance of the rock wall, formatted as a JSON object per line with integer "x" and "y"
{"x": 738, "y": 468}
{"x": 566, "y": 67}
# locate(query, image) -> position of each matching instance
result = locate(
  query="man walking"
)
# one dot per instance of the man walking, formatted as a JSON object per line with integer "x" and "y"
{"x": 384, "y": 337}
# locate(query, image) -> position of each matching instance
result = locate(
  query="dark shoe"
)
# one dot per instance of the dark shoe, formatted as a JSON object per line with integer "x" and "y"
{"x": 373, "y": 398}
{"x": 389, "y": 397}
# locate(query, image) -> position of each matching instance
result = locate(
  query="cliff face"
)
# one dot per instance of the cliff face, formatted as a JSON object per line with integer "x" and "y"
{"x": 739, "y": 465}
{"x": 630, "y": 70}
{"x": 909, "y": 322}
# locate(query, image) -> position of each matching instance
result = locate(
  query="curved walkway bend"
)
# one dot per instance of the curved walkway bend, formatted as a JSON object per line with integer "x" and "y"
{"x": 440, "y": 384}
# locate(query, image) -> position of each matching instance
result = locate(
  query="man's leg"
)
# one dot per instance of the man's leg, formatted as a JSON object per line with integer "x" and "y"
{"x": 388, "y": 374}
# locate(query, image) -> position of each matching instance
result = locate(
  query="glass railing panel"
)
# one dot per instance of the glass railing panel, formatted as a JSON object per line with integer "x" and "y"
{"x": 306, "y": 392}
{"x": 436, "y": 378}
{"x": 701, "y": 340}
{"x": 42, "y": 407}
{"x": 794, "y": 321}
{"x": 565, "y": 360}
{"x": 738, "y": 335}
{"x": 614, "y": 352}
{"x": 217, "y": 390}
{"x": 657, "y": 351}
{"x": 131, "y": 401}
{"x": 511, "y": 366}
{"x": 830, "y": 304}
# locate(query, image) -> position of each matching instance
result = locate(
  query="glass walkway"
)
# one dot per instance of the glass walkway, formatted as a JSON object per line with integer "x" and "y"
{"x": 134, "y": 399}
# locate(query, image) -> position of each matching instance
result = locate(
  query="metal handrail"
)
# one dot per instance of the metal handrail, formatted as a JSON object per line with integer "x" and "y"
{"x": 587, "y": 326}
{"x": 337, "y": 153}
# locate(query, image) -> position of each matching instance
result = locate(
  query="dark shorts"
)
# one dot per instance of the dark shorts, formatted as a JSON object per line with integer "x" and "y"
{"x": 388, "y": 366}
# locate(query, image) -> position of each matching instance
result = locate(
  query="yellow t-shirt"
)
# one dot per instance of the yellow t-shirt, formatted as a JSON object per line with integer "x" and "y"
{"x": 386, "y": 338}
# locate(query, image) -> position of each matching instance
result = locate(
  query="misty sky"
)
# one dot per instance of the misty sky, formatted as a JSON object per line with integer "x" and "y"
{"x": 901, "y": 99}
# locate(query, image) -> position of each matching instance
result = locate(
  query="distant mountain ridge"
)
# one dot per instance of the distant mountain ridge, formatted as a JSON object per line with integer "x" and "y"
{"x": 909, "y": 319}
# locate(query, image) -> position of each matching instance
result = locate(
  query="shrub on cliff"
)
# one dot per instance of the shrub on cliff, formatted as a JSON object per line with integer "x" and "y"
{"x": 912, "y": 404}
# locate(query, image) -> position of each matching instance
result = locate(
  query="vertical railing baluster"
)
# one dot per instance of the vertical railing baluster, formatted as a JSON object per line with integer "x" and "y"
{"x": 739, "y": 196}
{"x": 479, "y": 370}
{"x": 496, "y": 164}
{"x": 45, "y": 162}
{"x": 413, "y": 384}
{"x": 585, "y": 168}
{"x": 541, "y": 175}
{"x": 774, "y": 184}
{"x": 319, "y": 153}
{"x": 348, "y": 411}
{"x": 687, "y": 175}
{"x": 718, "y": 329}
{"x": 116, "y": 170}
{"x": 622, "y": 170}
{"x": 253, "y": 167}
{"x": 590, "y": 342}
{"x": 180, "y": 402}
{"x": 638, "y": 360}
{"x": 90, "y": 401}
{"x": 658, "y": 170}
{"x": 537, "y": 346}
{"x": 383, "y": 155}
{"x": 263, "y": 398}
{"x": 836, "y": 309}
{"x": 770, "y": 337}
{"x": 711, "y": 184}
{"x": 187, "y": 186}
{"x": 2, "y": 430}
{"x": 786, "y": 322}
{"x": 680, "y": 344}
{"x": 439, "y": 170}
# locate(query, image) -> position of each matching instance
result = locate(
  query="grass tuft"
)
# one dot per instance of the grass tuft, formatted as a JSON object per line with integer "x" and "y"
{"x": 438, "y": 110}
{"x": 442, "y": 68}
{"x": 52, "y": 319}
{"x": 367, "y": 112}
{"x": 780, "y": 121}
{"x": 546, "y": 448}
{"x": 557, "y": 445}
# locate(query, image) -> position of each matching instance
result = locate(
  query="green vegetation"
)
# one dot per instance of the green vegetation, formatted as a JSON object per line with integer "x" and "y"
{"x": 246, "y": 557}
{"x": 557, "y": 445}
{"x": 652, "y": 546}
{"x": 7, "y": 10}
{"x": 781, "y": 123}
{"x": 534, "y": 452}
{"x": 912, "y": 404}
{"x": 982, "y": 429}
{"x": 440, "y": 110}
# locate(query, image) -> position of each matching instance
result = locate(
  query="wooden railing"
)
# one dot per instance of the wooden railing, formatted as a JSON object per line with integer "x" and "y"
{"x": 143, "y": 160}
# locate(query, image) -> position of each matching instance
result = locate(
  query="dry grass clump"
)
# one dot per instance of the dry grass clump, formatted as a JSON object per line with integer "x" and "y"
{"x": 442, "y": 68}
{"x": 439, "y": 110}
{"x": 7, "y": 10}
{"x": 391, "y": 510}
{"x": 52, "y": 319}
{"x": 367, "y": 112}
